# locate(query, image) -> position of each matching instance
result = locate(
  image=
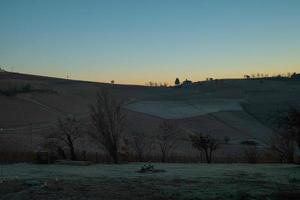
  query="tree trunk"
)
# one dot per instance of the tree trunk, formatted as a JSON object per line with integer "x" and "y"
{"x": 115, "y": 157}
{"x": 61, "y": 153}
{"x": 290, "y": 158}
{"x": 140, "y": 157}
{"x": 208, "y": 159}
{"x": 72, "y": 152}
{"x": 163, "y": 156}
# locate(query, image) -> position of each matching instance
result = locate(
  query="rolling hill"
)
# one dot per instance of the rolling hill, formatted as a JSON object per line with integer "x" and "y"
{"x": 239, "y": 109}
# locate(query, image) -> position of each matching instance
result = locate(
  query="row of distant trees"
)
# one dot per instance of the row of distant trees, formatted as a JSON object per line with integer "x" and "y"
{"x": 107, "y": 129}
{"x": 261, "y": 75}
{"x": 156, "y": 84}
{"x": 252, "y": 76}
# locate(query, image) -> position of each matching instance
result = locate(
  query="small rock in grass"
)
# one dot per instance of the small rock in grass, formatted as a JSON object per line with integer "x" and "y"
{"x": 148, "y": 168}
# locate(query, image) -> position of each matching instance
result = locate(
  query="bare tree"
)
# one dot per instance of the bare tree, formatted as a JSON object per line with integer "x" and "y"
{"x": 206, "y": 144}
{"x": 284, "y": 144}
{"x": 108, "y": 122}
{"x": 288, "y": 133}
{"x": 167, "y": 138}
{"x": 66, "y": 133}
{"x": 141, "y": 144}
{"x": 292, "y": 123}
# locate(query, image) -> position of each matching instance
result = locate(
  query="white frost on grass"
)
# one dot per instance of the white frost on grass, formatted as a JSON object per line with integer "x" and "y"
{"x": 186, "y": 181}
{"x": 184, "y": 109}
{"x": 270, "y": 172}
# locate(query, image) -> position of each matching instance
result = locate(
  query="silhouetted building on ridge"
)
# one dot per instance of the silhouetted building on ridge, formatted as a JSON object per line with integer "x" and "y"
{"x": 186, "y": 82}
{"x": 295, "y": 76}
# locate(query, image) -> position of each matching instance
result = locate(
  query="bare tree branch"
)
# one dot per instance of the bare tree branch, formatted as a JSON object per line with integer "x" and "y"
{"x": 108, "y": 121}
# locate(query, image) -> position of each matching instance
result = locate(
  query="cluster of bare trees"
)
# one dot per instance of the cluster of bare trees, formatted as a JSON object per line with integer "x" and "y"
{"x": 65, "y": 135}
{"x": 167, "y": 137}
{"x": 107, "y": 126}
{"x": 106, "y": 129}
{"x": 285, "y": 143}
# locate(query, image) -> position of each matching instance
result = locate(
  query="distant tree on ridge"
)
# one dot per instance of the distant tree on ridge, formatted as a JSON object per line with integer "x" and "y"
{"x": 177, "y": 81}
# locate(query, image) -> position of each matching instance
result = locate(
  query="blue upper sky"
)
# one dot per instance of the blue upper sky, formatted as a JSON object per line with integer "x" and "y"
{"x": 135, "y": 41}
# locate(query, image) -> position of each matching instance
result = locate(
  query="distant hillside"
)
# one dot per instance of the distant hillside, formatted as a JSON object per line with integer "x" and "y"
{"x": 239, "y": 109}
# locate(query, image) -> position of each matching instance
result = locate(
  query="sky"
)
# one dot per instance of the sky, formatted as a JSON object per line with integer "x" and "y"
{"x": 136, "y": 41}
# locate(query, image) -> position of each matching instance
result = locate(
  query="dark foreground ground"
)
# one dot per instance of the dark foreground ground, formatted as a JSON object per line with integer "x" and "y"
{"x": 179, "y": 181}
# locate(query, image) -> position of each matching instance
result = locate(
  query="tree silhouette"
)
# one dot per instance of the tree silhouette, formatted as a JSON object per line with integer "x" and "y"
{"x": 287, "y": 134}
{"x": 66, "y": 133}
{"x": 177, "y": 81}
{"x": 167, "y": 138}
{"x": 206, "y": 144}
{"x": 141, "y": 144}
{"x": 108, "y": 121}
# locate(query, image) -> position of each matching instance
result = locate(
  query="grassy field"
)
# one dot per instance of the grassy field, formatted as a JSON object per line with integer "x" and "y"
{"x": 179, "y": 181}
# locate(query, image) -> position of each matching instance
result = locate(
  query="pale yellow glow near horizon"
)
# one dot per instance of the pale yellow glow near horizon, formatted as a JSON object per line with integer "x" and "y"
{"x": 164, "y": 76}
{"x": 134, "y": 42}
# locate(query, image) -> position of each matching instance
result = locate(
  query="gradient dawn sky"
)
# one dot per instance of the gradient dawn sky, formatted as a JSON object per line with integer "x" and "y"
{"x": 149, "y": 40}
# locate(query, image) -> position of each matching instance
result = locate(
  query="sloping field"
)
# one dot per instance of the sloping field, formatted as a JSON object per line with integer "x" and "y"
{"x": 184, "y": 109}
{"x": 243, "y": 122}
{"x": 15, "y": 112}
{"x": 235, "y": 108}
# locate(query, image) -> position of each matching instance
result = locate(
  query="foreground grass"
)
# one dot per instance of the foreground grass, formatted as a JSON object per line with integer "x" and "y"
{"x": 179, "y": 181}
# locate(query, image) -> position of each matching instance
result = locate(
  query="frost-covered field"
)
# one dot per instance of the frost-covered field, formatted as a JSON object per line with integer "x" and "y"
{"x": 179, "y": 181}
{"x": 184, "y": 109}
